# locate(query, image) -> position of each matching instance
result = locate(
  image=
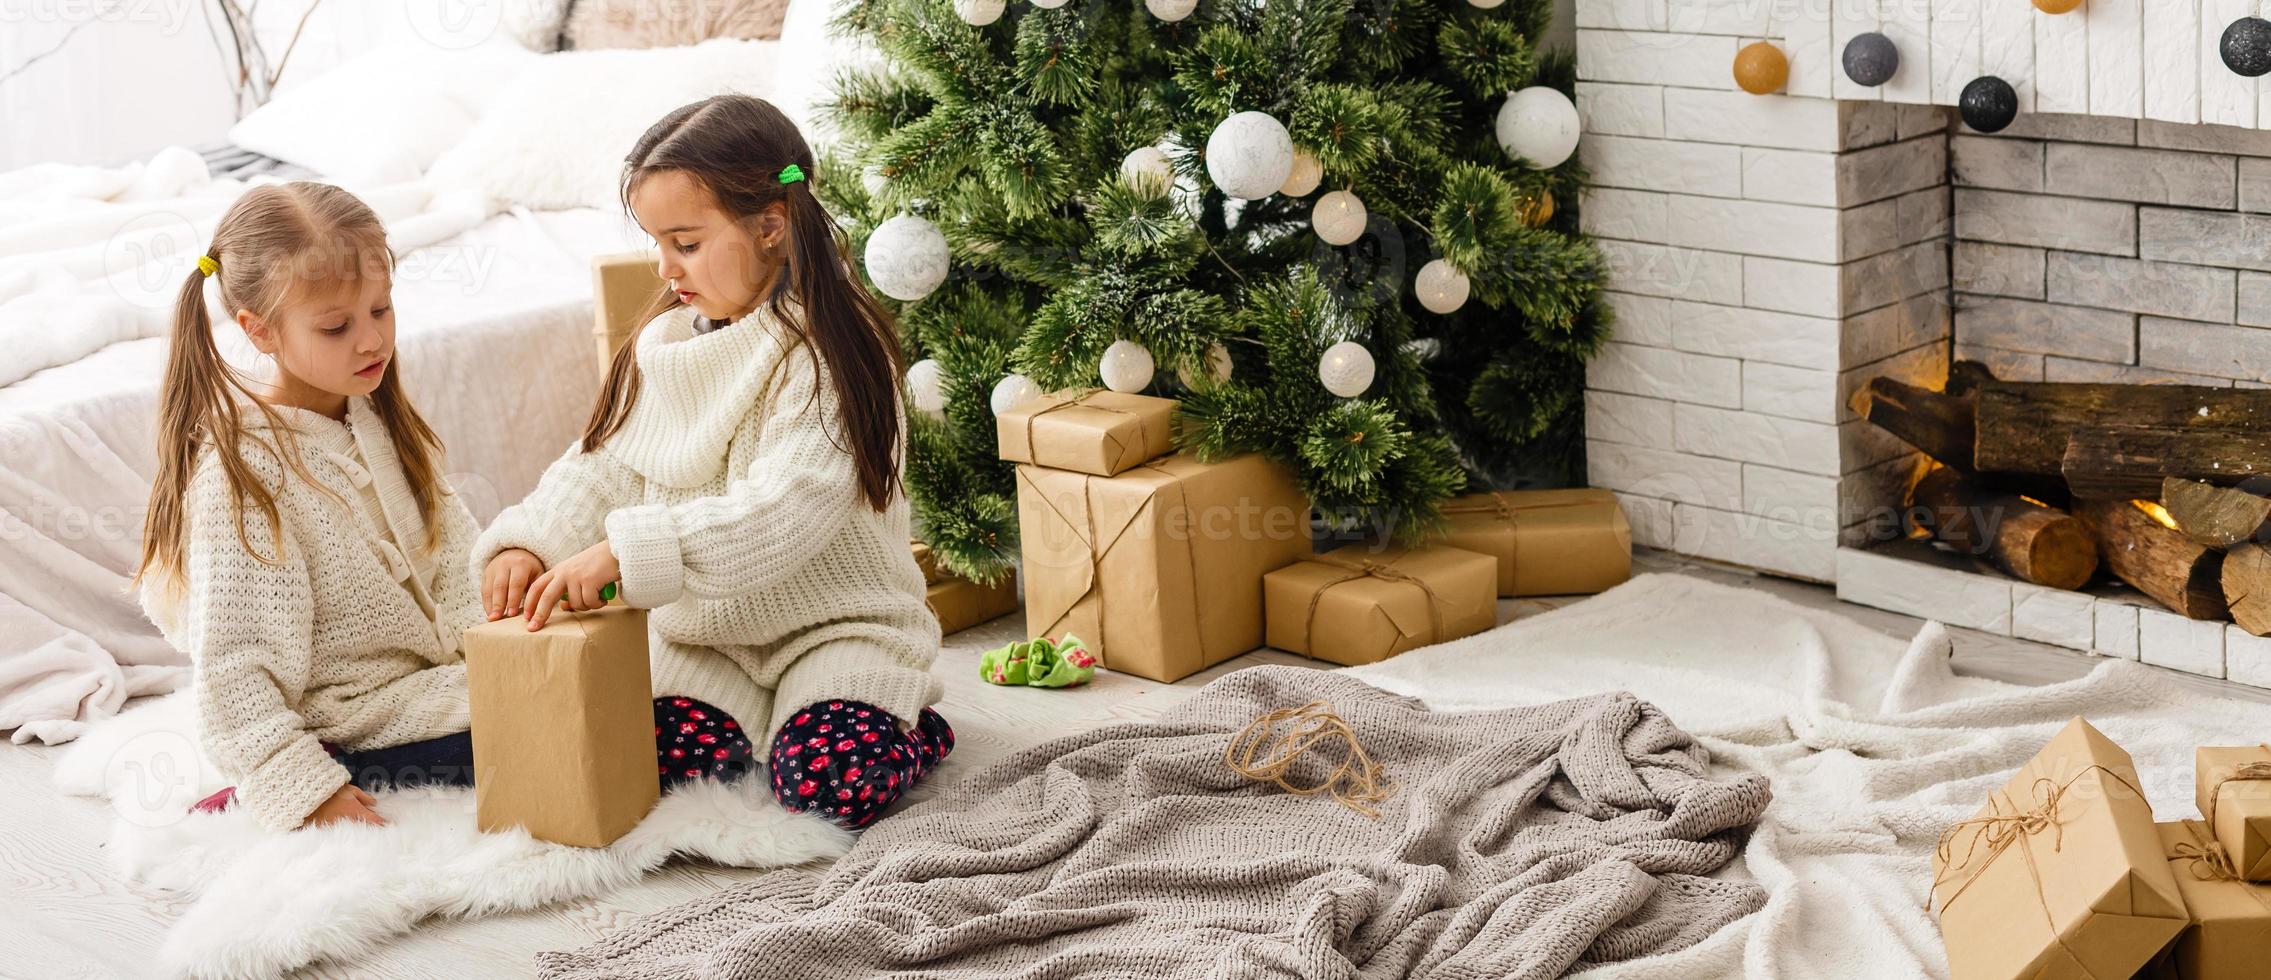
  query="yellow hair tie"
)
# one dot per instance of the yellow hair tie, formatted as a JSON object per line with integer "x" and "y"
{"x": 208, "y": 264}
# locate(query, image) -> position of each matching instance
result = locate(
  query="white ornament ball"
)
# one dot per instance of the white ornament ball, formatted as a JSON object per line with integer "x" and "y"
{"x": 1011, "y": 391}
{"x": 1307, "y": 174}
{"x": 1250, "y": 155}
{"x": 1126, "y": 366}
{"x": 1538, "y": 125}
{"x": 1346, "y": 369}
{"x": 1218, "y": 362}
{"x": 1486, "y": 4}
{"x": 1170, "y": 10}
{"x": 1338, "y": 217}
{"x": 926, "y": 385}
{"x": 1441, "y": 288}
{"x": 1147, "y": 165}
{"x": 872, "y": 178}
{"x": 979, "y": 13}
{"x": 907, "y": 258}
{"x": 1048, "y": 4}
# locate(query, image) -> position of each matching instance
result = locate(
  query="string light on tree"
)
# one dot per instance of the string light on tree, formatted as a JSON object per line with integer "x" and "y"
{"x": 2246, "y": 47}
{"x": 1485, "y": 4}
{"x": 1170, "y": 10}
{"x": 1760, "y": 68}
{"x": 1539, "y": 126}
{"x": 1338, "y": 217}
{"x": 1011, "y": 391}
{"x": 925, "y": 385}
{"x": 1147, "y": 165}
{"x": 1048, "y": 4}
{"x": 979, "y": 13}
{"x": 1988, "y": 104}
{"x": 1440, "y": 288}
{"x": 907, "y": 257}
{"x": 1125, "y": 367}
{"x": 1346, "y": 369}
{"x": 2056, "y": 6}
{"x": 1216, "y": 365}
{"x": 1307, "y": 174}
{"x": 1249, "y": 155}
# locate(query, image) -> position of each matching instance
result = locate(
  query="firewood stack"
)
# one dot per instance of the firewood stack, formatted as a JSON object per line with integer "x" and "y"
{"x": 2161, "y": 486}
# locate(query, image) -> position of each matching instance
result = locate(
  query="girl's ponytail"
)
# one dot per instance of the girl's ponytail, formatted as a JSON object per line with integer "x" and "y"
{"x": 855, "y": 337}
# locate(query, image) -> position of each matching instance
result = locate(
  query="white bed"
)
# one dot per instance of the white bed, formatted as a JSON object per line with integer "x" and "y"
{"x": 496, "y": 224}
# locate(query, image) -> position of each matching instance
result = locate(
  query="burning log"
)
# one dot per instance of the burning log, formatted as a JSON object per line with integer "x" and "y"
{"x": 2247, "y": 587}
{"x": 2036, "y": 543}
{"x": 2218, "y": 517}
{"x": 1936, "y": 423}
{"x": 2140, "y": 547}
{"x": 2120, "y": 440}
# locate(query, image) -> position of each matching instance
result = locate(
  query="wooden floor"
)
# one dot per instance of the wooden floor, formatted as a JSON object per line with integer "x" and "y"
{"x": 64, "y": 914}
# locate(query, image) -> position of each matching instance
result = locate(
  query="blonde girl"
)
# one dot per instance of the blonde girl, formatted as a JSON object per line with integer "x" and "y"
{"x": 301, "y": 545}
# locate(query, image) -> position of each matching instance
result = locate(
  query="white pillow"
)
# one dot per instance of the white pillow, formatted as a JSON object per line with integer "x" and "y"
{"x": 555, "y": 138}
{"x": 383, "y": 116}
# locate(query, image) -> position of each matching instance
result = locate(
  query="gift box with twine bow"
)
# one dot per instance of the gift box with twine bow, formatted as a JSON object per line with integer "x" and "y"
{"x": 2233, "y": 787}
{"x": 2230, "y": 934}
{"x": 1160, "y": 567}
{"x": 1355, "y": 606}
{"x": 1547, "y": 542}
{"x": 1096, "y": 431}
{"x": 2061, "y": 876}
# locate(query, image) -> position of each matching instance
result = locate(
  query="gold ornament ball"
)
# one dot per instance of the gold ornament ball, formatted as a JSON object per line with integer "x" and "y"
{"x": 1760, "y": 68}
{"x": 1538, "y": 209}
{"x": 2056, "y": 6}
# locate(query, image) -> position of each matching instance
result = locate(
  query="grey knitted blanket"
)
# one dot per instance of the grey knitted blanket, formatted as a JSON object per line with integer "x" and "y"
{"x": 1523, "y": 842}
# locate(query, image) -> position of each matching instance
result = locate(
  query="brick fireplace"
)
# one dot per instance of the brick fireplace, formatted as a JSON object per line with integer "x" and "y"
{"x": 1769, "y": 254}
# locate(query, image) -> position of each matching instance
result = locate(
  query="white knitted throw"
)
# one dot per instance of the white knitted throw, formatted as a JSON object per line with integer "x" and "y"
{"x": 326, "y": 645}
{"x": 1522, "y": 842}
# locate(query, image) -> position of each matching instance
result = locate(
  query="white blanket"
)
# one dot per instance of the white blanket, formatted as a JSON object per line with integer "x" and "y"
{"x": 495, "y": 345}
{"x": 268, "y": 903}
{"x": 1873, "y": 744}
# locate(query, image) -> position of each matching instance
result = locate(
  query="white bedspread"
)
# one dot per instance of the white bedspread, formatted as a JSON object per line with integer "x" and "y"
{"x": 494, "y": 344}
{"x": 1873, "y": 743}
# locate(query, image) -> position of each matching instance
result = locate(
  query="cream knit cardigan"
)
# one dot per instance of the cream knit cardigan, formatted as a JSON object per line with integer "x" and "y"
{"x": 328, "y": 644}
{"x": 731, "y": 501}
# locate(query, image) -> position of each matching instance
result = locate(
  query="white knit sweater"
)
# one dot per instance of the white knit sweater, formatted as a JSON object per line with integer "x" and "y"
{"x": 330, "y": 644}
{"x": 731, "y": 500}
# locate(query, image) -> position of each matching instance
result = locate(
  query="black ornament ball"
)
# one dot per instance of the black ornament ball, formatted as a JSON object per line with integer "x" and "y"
{"x": 1871, "y": 59}
{"x": 1988, "y": 104}
{"x": 2247, "y": 47}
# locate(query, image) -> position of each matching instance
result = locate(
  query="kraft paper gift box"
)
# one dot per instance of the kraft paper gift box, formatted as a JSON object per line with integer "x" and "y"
{"x": 563, "y": 725}
{"x": 1097, "y": 431}
{"x": 2230, "y": 934}
{"x": 960, "y": 603}
{"x": 2233, "y": 787}
{"x": 1547, "y": 542}
{"x": 1158, "y": 569}
{"x": 1357, "y": 606}
{"x": 2061, "y": 876}
{"x": 932, "y": 574}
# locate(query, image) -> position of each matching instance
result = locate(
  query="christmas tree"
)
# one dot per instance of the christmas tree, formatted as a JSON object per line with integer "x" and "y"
{"x": 1341, "y": 231}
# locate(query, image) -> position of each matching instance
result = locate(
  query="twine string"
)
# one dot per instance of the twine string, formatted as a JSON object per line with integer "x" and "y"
{"x": 1356, "y": 782}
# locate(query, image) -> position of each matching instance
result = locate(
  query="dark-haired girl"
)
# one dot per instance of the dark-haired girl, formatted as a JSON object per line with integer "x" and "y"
{"x": 740, "y": 476}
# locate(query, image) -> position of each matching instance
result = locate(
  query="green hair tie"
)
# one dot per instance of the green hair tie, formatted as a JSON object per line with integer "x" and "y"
{"x": 791, "y": 174}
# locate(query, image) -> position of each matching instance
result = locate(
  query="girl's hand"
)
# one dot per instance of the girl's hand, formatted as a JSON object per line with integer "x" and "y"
{"x": 577, "y": 581}
{"x": 349, "y": 803}
{"x": 506, "y": 580}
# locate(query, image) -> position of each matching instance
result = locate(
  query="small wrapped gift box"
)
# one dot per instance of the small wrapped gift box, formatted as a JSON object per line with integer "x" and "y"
{"x": 2233, "y": 787}
{"x": 960, "y": 603}
{"x": 932, "y": 574}
{"x": 2061, "y": 875}
{"x": 2230, "y": 934}
{"x": 563, "y": 725}
{"x": 1547, "y": 542}
{"x": 1096, "y": 431}
{"x": 1159, "y": 568}
{"x": 1356, "y": 606}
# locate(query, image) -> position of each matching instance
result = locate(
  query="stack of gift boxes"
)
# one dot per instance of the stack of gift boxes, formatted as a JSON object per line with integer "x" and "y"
{"x": 1166, "y": 565}
{"x": 961, "y": 603}
{"x": 2064, "y": 873}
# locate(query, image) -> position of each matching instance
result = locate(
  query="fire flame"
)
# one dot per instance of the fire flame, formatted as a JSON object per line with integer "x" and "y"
{"x": 2155, "y": 511}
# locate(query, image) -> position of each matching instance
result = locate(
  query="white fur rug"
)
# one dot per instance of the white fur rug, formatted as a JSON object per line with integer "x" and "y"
{"x": 269, "y": 903}
{"x": 1872, "y": 742}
